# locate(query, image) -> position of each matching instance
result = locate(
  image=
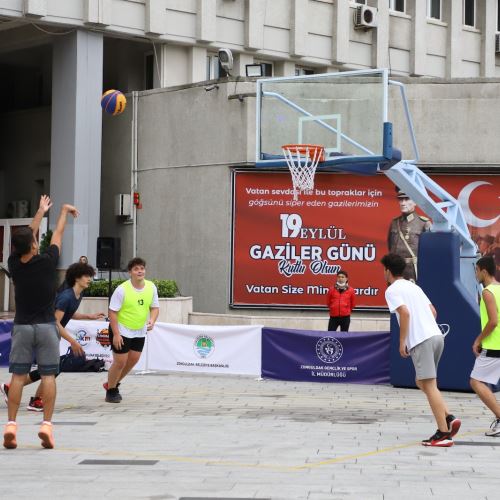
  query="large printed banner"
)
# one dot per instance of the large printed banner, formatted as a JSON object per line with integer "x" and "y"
{"x": 287, "y": 253}
{"x": 5, "y": 329}
{"x": 187, "y": 348}
{"x": 232, "y": 350}
{"x": 312, "y": 356}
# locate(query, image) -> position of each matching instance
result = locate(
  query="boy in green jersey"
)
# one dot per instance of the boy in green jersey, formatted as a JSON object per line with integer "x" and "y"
{"x": 486, "y": 347}
{"x": 133, "y": 311}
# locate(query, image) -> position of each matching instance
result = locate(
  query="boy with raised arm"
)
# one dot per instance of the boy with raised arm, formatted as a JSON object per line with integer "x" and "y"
{"x": 35, "y": 330}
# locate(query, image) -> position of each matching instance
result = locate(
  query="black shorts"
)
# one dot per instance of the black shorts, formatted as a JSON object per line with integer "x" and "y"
{"x": 129, "y": 344}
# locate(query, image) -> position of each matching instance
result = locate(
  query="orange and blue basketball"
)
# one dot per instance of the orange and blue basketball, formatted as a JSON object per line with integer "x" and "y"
{"x": 113, "y": 102}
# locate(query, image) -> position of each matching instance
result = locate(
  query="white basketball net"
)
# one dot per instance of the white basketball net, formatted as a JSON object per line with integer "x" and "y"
{"x": 302, "y": 160}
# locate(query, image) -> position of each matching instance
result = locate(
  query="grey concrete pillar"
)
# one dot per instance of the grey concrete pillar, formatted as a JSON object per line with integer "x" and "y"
{"x": 197, "y": 64}
{"x": 418, "y": 50}
{"x": 487, "y": 23}
{"x": 453, "y": 12}
{"x": 380, "y": 36}
{"x": 75, "y": 175}
{"x": 255, "y": 19}
{"x": 206, "y": 20}
{"x": 342, "y": 19}
{"x": 298, "y": 28}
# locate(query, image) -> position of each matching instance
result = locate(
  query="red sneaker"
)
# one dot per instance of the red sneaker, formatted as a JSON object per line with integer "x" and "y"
{"x": 439, "y": 439}
{"x": 35, "y": 404}
{"x": 454, "y": 424}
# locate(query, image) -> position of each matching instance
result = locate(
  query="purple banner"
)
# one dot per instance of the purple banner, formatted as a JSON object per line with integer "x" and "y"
{"x": 313, "y": 356}
{"x": 5, "y": 331}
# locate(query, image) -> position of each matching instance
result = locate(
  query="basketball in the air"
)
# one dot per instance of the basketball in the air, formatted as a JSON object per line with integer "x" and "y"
{"x": 113, "y": 102}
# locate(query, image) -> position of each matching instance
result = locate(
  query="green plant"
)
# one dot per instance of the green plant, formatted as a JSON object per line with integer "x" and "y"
{"x": 166, "y": 288}
{"x": 45, "y": 240}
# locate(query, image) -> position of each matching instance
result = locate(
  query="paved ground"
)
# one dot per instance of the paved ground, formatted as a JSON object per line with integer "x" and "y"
{"x": 191, "y": 436}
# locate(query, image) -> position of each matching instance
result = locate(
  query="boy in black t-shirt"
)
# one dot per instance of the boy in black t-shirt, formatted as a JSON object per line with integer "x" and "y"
{"x": 35, "y": 330}
{"x": 78, "y": 277}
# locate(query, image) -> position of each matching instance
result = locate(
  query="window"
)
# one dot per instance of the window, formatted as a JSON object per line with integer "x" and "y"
{"x": 434, "y": 9}
{"x": 149, "y": 71}
{"x": 214, "y": 69}
{"x": 470, "y": 13}
{"x": 267, "y": 68}
{"x": 397, "y": 5}
{"x": 299, "y": 71}
{"x": 498, "y": 15}
{"x": 363, "y": 2}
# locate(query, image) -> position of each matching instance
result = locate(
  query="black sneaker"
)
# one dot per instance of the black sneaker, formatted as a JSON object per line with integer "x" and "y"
{"x": 113, "y": 396}
{"x": 440, "y": 439}
{"x": 454, "y": 424}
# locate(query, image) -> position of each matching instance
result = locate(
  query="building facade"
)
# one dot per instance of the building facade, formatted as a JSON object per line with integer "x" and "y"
{"x": 183, "y": 131}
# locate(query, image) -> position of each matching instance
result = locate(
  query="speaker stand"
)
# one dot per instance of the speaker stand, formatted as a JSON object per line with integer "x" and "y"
{"x": 109, "y": 287}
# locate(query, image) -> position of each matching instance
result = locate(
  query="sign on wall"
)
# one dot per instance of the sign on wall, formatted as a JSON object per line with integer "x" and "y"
{"x": 287, "y": 253}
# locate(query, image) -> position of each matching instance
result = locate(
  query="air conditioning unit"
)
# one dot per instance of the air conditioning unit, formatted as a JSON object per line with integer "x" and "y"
{"x": 497, "y": 43}
{"x": 365, "y": 17}
{"x": 122, "y": 205}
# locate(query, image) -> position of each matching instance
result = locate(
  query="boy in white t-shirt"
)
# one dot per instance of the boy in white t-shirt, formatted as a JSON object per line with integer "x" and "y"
{"x": 420, "y": 338}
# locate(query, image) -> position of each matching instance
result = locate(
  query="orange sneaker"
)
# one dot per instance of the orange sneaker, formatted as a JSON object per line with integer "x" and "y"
{"x": 45, "y": 434}
{"x": 9, "y": 436}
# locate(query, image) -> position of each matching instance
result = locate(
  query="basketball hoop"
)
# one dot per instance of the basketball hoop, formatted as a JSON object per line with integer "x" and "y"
{"x": 302, "y": 160}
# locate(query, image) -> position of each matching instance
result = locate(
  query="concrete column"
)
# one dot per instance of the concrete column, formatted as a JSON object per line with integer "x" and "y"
{"x": 418, "y": 51}
{"x": 298, "y": 28}
{"x": 380, "y": 37}
{"x": 35, "y": 8}
{"x": 75, "y": 173}
{"x": 240, "y": 61}
{"x": 284, "y": 68}
{"x": 341, "y": 32}
{"x": 486, "y": 16}
{"x": 155, "y": 17}
{"x": 255, "y": 13}
{"x": 197, "y": 64}
{"x": 452, "y": 11}
{"x": 206, "y": 20}
{"x": 98, "y": 12}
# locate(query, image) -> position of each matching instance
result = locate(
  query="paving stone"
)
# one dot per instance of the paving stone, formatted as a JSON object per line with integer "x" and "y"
{"x": 237, "y": 437}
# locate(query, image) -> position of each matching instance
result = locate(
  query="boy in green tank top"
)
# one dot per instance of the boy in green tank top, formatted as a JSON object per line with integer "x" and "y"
{"x": 133, "y": 311}
{"x": 486, "y": 347}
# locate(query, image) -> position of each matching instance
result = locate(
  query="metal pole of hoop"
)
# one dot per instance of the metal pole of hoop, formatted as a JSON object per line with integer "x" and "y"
{"x": 146, "y": 364}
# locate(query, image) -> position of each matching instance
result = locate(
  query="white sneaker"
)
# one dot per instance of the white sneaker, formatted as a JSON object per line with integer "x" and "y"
{"x": 494, "y": 428}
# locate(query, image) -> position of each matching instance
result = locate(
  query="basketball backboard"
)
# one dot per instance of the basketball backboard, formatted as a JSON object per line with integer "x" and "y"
{"x": 346, "y": 113}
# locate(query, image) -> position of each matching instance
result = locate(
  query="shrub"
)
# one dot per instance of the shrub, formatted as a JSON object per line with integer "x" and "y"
{"x": 166, "y": 288}
{"x": 45, "y": 241}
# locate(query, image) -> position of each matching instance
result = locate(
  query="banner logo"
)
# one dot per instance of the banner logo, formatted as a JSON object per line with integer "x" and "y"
{"x": 102, "y": 337}
{"x": 204, "y": 346}
{"x": 82, "y": 338}
{"x": 445, "y": 328}
{"x": 329, "y": 349}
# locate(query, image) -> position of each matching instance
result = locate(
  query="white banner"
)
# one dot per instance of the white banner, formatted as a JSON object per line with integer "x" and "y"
{"x": 234, "y": 350}
{"x": 92, "y": 336}
{"x": 203, "y": 349}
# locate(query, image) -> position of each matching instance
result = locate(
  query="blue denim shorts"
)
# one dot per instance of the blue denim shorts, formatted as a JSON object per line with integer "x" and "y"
{"x": 40, "y": 340}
